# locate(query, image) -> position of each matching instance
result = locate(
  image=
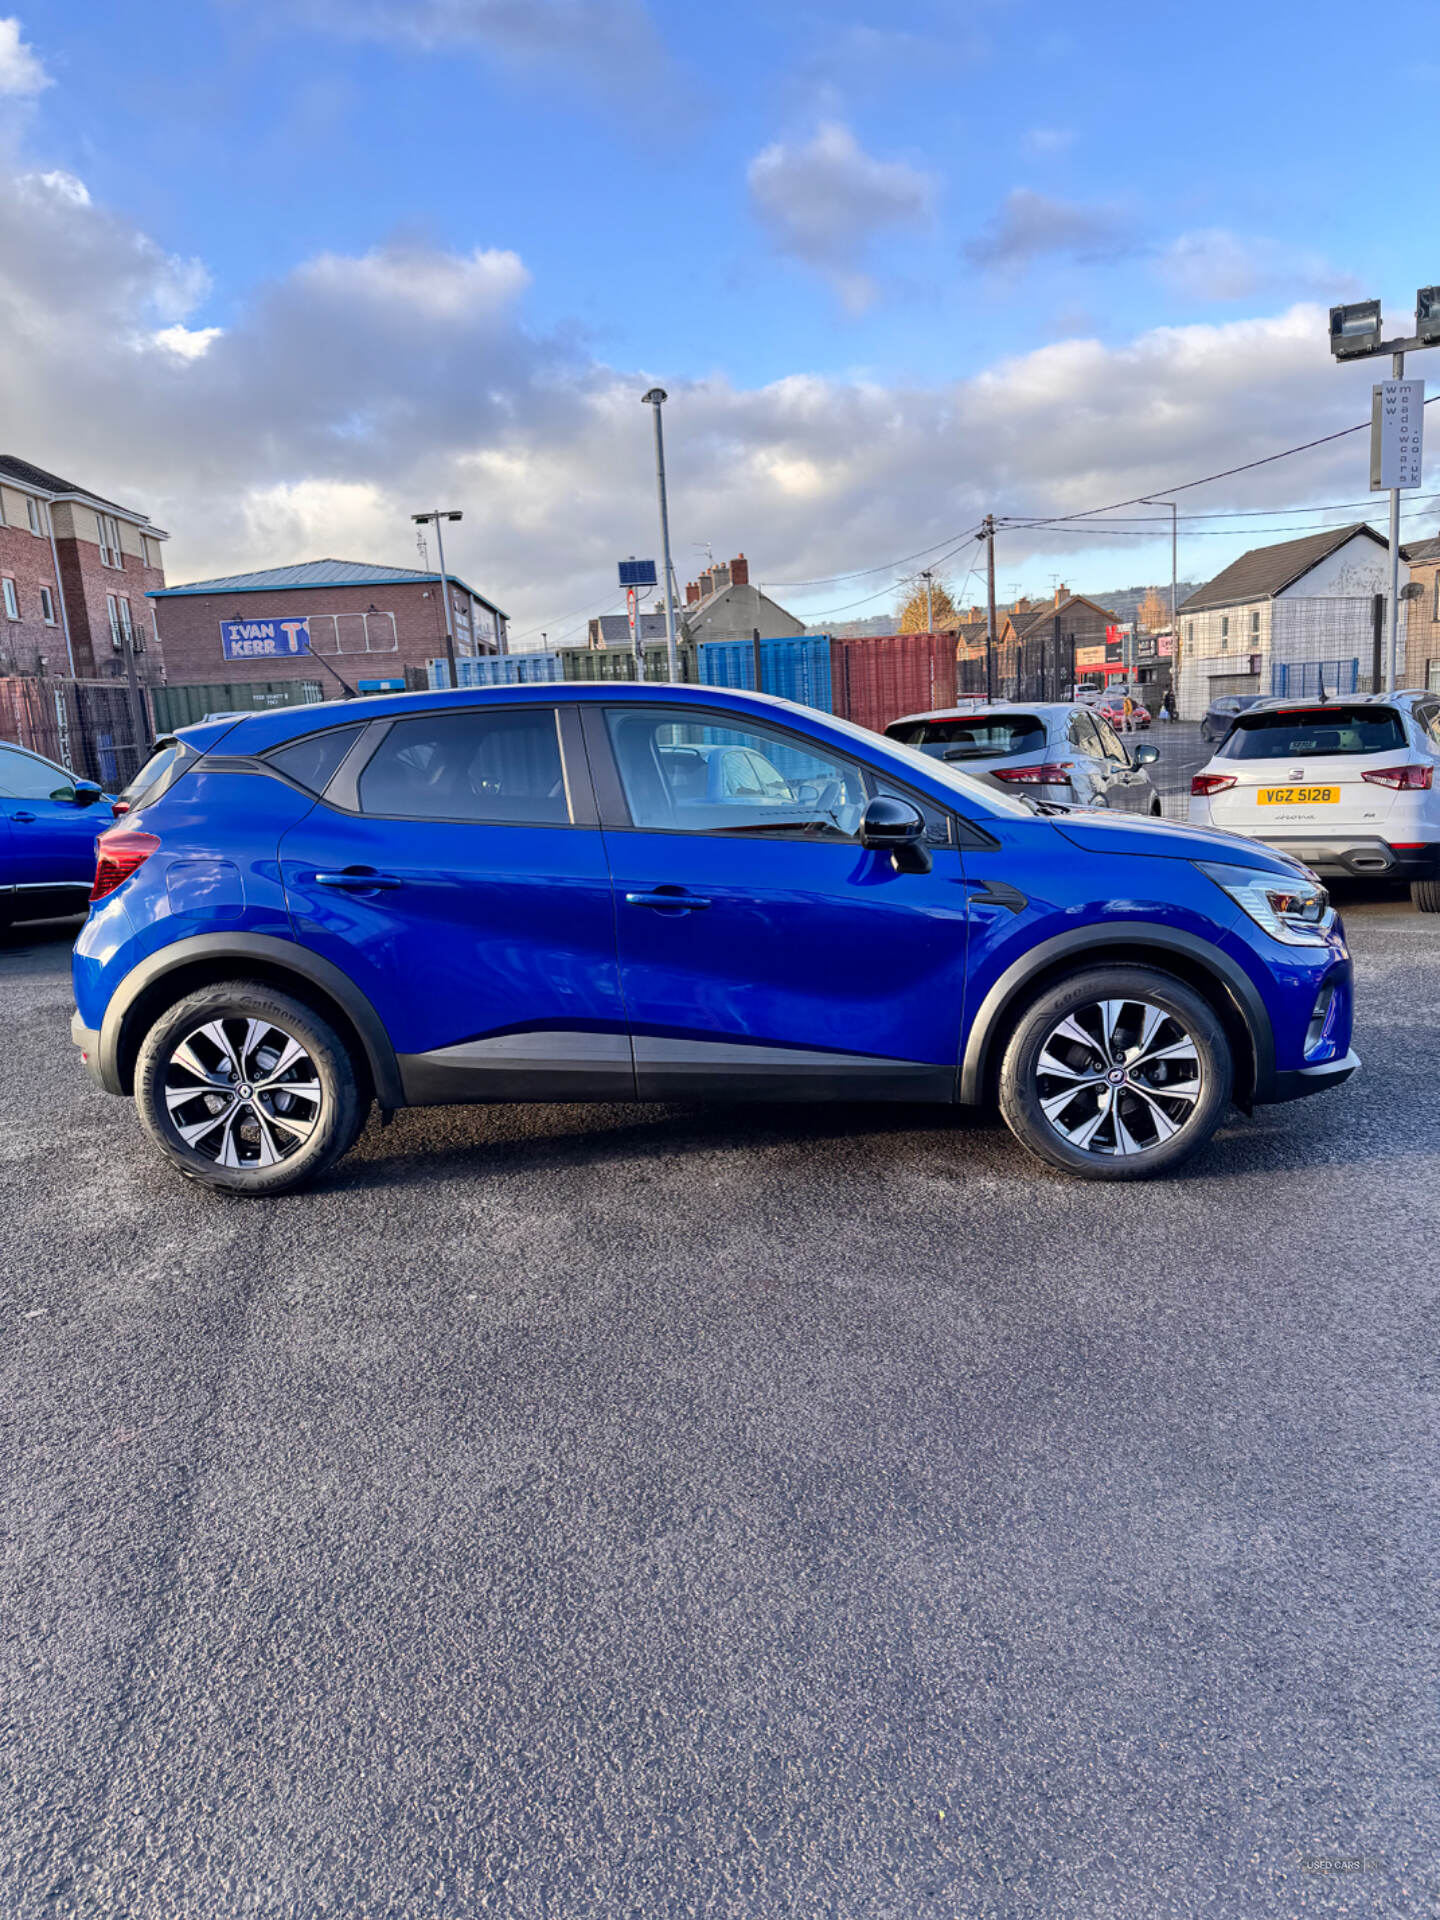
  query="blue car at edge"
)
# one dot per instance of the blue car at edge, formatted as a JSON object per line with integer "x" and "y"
{"x": 673, "y": 893}
{"x": 48, "y": 824}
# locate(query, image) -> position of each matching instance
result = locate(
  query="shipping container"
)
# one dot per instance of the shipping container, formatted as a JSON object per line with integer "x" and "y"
{"x": 794, "y": 669}
{"x": 182, "y": 706}
{"x": 876, "y": 679}
{"x": 497, "y": 670}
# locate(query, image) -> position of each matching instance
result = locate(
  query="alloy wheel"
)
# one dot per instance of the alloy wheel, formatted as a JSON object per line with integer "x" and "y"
{"x": 1117, "y": 1078}
{"x": 242, "y": 1092}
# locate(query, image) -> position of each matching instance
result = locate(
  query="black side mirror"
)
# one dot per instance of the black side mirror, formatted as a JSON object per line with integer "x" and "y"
{"x": 897, "y": 827}
{"x": 87, "y": 792}
{"x": 1145, "y": 756}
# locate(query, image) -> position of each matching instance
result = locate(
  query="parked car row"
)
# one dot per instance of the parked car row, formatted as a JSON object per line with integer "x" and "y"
{"x": 1063, "y": 752}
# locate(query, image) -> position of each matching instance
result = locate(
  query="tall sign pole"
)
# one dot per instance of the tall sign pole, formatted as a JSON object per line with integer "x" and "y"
{"x": 990, "y": 596}
{"x": 1397, "y": 421}
{"x": 656, "y": 398}
{"x": 439, "y": 516}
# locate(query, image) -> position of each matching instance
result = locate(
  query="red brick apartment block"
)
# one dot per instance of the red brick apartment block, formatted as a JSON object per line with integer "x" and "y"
{"x": 75, "y": 569}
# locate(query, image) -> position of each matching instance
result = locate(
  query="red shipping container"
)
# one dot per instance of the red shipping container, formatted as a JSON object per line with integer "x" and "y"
{"x": 877, "y": 679}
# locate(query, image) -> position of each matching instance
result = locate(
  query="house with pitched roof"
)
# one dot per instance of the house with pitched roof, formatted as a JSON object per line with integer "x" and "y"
{"x": 1284, "y": 619}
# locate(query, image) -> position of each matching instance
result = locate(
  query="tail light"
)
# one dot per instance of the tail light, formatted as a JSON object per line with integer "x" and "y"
{"x": 1410, "y": 778}
{"x": 1050, "y": 774}
{"x": 1207, "y": 783}
{"x": 118, "y": 853}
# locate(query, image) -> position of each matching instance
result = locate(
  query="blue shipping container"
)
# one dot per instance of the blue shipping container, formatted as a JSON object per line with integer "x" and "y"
{"x": 797, "y": 669}
{"x": 497, "y": 670}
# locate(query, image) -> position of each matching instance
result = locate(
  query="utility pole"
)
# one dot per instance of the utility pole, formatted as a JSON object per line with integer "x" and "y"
{"x": 1392, "y": 662}
{"x": 989, "y": 532}
{"x": 438, "y": 515}
{"x": 656, "y": 399}
{"x": 929, "y": 602}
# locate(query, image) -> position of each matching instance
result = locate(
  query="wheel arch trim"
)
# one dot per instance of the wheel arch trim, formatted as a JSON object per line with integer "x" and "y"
{"x": 286, "y": 956}
{"x": 1138, "y": 940}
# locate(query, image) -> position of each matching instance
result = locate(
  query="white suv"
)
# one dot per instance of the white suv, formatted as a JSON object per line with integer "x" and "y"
{"x": 1348, "y": 786}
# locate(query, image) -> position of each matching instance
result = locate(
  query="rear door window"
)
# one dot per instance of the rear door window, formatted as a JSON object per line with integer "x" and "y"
{"x": 1315, "y": 733}
{"x": 497, "y": 766}
{"x": 977, "y": 736}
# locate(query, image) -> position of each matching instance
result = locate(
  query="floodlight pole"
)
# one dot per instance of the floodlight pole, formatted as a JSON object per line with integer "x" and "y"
{"x": 438, "y": 516}
{"x": 656, "y": 399}
{"x": 929, "y": 602}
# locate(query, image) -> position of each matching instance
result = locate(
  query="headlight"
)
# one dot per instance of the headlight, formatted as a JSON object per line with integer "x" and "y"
{"x": 1296, "y": 911}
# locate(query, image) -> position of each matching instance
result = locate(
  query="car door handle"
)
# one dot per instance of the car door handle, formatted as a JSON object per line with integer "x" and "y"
{"x": 22, "y": 816}
{"x": 668, "y": 900}
{"x": 359, "y": 880}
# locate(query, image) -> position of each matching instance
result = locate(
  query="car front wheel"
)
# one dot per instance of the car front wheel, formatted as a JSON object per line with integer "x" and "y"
{"x": 1117, "y": 1073}
{"x": 246, "y": 1090}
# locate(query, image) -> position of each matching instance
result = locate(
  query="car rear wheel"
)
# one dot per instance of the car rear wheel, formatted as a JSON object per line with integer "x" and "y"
{"x": 1425, "y": 894}
{"x": 1117, "y": 1073}
{"x": 247, "y": 1090}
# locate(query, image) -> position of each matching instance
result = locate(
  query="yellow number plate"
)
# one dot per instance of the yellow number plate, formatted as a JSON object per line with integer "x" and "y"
{"x": 1299, "y": 796}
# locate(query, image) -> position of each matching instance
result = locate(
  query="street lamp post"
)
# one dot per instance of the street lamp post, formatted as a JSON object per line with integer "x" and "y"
{"x": 655, "y": 399}
{"x": 438, "y": 515}
{"x": 929, "y": 601}
{"x": 1355, "y": 332}
{"x": 1174, "y": 586}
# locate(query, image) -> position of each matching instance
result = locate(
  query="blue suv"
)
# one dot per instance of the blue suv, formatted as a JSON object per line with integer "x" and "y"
{"x": 630, "y": 892}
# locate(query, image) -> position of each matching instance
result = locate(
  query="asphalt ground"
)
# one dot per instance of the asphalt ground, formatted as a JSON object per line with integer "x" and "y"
{"x": 652, "y": 1512}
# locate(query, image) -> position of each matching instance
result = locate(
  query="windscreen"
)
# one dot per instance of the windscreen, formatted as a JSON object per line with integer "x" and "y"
{"x": 1314, "y": 733}
{"x": 976, "y": 736}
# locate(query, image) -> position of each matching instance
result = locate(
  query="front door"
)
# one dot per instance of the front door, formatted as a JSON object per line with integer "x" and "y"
{"x": 51, "y": 839}
{"x": 457, "y": 873}
{"x": 763, "y": 950}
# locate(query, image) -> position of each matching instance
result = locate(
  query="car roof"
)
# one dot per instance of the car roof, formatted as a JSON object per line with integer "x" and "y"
{"x": 983, "y": 707}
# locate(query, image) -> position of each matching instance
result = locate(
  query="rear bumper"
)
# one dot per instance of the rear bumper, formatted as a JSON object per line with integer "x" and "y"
{"x": 1357, "y": 856}
{"x": 1299, "y": 1082}
{"x": 88, "y": 1042}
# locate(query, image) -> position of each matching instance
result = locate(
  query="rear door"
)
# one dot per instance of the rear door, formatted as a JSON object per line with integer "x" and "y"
{"x": 763, "y": 951}
{"x": 456, "y": 871}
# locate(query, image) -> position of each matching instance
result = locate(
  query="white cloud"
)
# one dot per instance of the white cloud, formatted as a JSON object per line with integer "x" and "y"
{"x": 441, "y": 286}
{"x": 20, "y": 71}
{"x": 1212, "y": 263}
{"x": 190, "y": 343}
{"x": 1031, "y": 224}
{"x": 1049, "y": 139}
{"x": 609, "y": 41}
{"x": 343, "y": 396}
{"x": 825, "y": 201}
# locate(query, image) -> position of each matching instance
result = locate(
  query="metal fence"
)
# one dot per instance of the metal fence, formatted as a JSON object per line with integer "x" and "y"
{"x": 88, "y": 726}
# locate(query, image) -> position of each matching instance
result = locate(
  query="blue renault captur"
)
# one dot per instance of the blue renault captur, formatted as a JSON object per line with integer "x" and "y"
{"x": 638, "y": 892}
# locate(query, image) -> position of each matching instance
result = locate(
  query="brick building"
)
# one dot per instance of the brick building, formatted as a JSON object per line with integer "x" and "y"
{"x": 1422, "y": 617}
{"x": 75, "y": 570}
{"x": 366, "y": 622}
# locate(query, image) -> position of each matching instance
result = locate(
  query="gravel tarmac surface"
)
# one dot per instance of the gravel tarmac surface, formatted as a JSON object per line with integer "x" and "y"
{"x": 630, "y": 1512}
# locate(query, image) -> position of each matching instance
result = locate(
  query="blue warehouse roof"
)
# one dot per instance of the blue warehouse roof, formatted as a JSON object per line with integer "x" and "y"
{"x": 319, "y": 573}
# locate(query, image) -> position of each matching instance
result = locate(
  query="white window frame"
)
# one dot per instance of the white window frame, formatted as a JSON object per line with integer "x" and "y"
{"x": 35, "y": 511}
{"x": 113, "y": 604}
{"x": 12, "y": 603}
{"x": 112, "y": 554}
{"x": 47, "y": 605}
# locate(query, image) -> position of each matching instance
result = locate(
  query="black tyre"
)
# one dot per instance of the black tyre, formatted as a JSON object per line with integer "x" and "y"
{"x": 1425, "y": 894}
{"x": 246, "y": 1090}
{"x": 1116, "y": 1073}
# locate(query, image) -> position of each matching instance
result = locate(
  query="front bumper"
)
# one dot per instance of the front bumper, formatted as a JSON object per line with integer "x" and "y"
{"x": 88, "y": 1042}
{"x": 1357, "y": 856}
{"x": 1299, "y": 1082}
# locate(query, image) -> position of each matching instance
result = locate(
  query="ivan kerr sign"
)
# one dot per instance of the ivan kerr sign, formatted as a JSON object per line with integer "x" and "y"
{"x": 277, "y": 639}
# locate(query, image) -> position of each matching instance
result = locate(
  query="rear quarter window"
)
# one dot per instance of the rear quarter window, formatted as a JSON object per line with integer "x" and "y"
{"x": 312, "y": 762}
{"x": 1315, "y": 734}
{"x": 158, "y": 775}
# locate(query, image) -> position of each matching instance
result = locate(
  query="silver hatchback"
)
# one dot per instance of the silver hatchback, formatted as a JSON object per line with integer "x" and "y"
{"x": 1059, "y": 751}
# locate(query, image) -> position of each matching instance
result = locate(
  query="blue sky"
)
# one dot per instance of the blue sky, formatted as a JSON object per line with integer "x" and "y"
{"x": 895, "y": 265}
